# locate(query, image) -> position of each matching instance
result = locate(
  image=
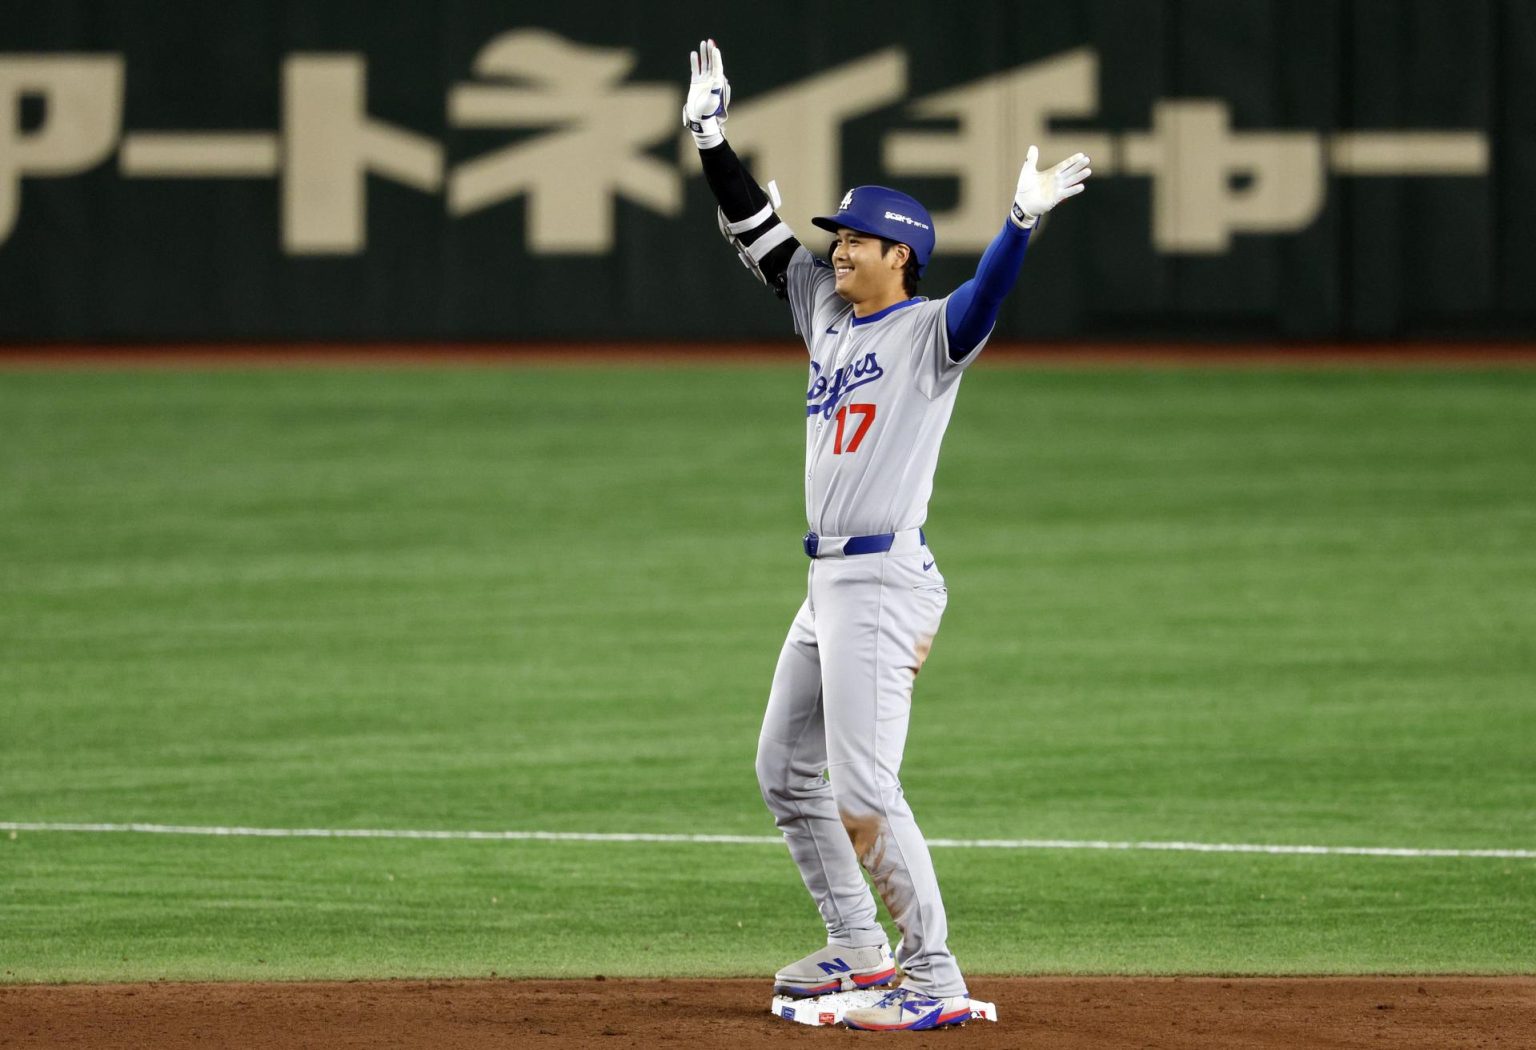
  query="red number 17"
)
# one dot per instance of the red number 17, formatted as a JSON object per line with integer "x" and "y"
{"x": 868, "y": 414}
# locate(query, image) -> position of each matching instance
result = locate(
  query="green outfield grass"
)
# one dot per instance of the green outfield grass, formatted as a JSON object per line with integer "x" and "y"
{"x": 1226, "y": 606}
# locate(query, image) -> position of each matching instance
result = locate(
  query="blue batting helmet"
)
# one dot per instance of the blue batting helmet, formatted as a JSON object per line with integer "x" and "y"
{"x": 885, "y": 213}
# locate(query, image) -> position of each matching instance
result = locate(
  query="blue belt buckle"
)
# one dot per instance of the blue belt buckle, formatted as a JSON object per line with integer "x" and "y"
{"x": 812, "y": 542}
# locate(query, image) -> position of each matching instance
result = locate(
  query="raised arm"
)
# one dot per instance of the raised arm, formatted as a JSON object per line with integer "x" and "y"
{"x": 973, "y": 306}
{"x": 746, "y": 216}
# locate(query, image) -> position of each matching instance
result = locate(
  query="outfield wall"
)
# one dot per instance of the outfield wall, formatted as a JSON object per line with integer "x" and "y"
{"x": 365, "y": 170}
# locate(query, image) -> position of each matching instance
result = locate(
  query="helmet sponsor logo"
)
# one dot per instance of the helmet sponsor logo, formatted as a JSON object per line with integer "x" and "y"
{"x": 909, "y": 221}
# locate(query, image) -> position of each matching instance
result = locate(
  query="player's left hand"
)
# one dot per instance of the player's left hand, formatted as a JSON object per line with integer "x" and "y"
{"x": 709, "y": 95}
{"x": 1040, "y": 191}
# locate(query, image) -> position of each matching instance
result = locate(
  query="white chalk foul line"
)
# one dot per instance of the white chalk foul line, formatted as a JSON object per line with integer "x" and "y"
{"x": 756, "y": 840}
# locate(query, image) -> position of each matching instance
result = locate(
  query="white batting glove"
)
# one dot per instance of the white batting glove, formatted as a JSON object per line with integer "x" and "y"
{"x": 709, "y": 96}
{"x": 1040, "y": 191}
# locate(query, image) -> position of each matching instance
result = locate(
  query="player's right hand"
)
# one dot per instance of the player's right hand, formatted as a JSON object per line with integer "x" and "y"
{"x": 709, "y": 95}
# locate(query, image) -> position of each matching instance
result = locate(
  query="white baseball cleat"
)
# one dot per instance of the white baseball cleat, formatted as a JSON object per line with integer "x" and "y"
{"x": 908, "y": 1010}
{"x": 836, "y": 969}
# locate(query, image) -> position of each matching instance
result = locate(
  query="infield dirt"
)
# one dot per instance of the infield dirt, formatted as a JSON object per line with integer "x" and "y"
{"x": 1039, "y": 1012}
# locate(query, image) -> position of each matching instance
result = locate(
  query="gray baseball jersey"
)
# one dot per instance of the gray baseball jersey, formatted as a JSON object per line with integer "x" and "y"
{"x": 881, "y": 392}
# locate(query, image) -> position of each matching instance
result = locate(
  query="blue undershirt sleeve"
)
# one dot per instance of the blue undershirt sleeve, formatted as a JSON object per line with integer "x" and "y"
{"x": 973, "y": 306}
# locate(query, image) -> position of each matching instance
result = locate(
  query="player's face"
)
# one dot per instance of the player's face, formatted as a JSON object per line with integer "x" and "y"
{"x": 861, "y": 273}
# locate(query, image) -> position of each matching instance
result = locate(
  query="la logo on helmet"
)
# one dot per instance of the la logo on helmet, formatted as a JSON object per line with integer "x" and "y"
{"x": 847, "y": 201}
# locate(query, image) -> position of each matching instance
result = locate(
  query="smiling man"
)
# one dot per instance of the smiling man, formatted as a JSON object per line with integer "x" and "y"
{"x": 885, "y": 365}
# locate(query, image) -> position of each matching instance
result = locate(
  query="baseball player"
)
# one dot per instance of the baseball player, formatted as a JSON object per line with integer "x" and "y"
{"x": 885, "y": 365}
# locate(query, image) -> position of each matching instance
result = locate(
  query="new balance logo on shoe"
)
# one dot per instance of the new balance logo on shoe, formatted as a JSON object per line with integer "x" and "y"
{"x": 836, "y": 968}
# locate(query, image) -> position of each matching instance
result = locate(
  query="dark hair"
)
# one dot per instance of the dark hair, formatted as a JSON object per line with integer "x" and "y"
{"x": 909, "y": 275}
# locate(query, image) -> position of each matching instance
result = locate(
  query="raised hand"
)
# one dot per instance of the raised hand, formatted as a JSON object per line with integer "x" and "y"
{"x": 709, "y": 95}
{"x": 1040, "y": 191}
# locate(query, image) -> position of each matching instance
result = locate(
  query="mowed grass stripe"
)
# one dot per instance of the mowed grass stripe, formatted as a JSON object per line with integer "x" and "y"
{"x": 105, "y": 907}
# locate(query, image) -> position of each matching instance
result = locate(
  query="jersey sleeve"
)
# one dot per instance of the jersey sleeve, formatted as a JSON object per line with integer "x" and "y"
{"x": 812, "y": 301}
{"x": 936, "y": 372}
